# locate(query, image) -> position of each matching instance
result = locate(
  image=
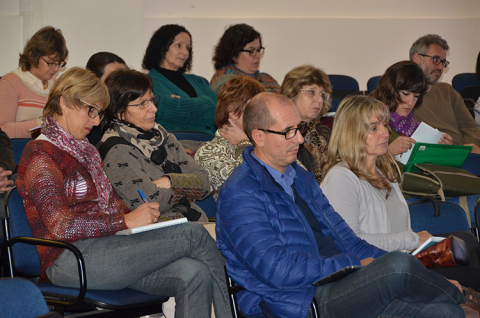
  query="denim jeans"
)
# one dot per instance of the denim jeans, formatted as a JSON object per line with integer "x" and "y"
{"x": 180, "y": 261}
{"x": 394, "y": 285}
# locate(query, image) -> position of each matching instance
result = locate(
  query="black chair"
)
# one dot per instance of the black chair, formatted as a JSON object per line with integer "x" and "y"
{"x": 23, "y": 261}
{"x": 343, "y": 85}
{"x": 233, "y": 289}
{"x": 470, "y": 96}
{"x": 462, "y": 80}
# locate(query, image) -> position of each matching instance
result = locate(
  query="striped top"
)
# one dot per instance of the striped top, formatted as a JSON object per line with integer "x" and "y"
{"x": 21, "y": 103}
{"x": 222, "y": 75}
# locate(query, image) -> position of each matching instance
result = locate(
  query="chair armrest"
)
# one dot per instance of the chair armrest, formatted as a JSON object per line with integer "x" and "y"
{"x": 58, "y": 244}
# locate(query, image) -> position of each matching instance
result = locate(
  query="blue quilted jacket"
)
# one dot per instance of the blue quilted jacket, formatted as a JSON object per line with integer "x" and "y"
{"x": 269, "y": 246}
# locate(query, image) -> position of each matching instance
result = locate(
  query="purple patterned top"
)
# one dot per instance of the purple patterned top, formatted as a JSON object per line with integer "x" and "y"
{"x": 405, "y": 126}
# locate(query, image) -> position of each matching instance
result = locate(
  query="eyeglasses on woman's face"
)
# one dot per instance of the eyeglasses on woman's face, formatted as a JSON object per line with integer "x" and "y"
{"x": 54, "y": 64}
{"x": 253, "y": 52}
{"x": 93, "y": 111}
{"x": 314, "y": 93}
{"x": 145, "y": 103}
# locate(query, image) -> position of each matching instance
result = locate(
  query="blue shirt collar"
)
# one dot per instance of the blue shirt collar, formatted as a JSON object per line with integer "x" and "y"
{"x": 285, "y": 180}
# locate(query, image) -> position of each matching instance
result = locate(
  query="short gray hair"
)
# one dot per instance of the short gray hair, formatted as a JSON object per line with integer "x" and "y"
{"x": 422, "y": 44}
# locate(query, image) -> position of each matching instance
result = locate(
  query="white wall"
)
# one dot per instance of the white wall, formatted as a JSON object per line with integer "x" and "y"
{"x": 357, "y": 38}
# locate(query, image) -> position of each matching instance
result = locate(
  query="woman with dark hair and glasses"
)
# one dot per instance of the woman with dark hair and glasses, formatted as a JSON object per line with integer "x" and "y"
{"x": 68, "y": 197}
{"x": 23, "y": 92}
{"x": 401, "y": 88}
{"x": 239, "y": 51}
{"x": 139, "y": 154}
{"x": 185, "y": 101}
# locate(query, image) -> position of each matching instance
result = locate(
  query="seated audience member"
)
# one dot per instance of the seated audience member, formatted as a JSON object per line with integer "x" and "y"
{"x": 105, "y": 63}
{"x": 7, "y": 167}
{"x": 360, "y": 183}
{"x": 185, "y": 101}
{"x": 442, "y": 107}
{"x": 23, "y": 92}
{"x": 102, "y": 64}
{"x": 7, "y": 163}
{"x": 361, "y": 186}
{"x": 309, "y": 88}
{"x": 239, "y": 51}
{"x": 477, "y": 105}
{"x": 68, "y": 197}
{"x": 138, "y": 153}
{"x": 224, "y": 153}
{"x": 401, "y": 88}
{"x": 280, "y": 235}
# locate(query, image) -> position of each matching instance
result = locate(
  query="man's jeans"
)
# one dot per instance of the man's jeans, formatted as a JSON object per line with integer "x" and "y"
{"x": 181, "y": 261}
{"x": 395, "y": 285}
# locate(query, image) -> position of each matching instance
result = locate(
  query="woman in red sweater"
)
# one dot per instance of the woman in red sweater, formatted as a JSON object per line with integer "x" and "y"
{"x": 68, "y": 197}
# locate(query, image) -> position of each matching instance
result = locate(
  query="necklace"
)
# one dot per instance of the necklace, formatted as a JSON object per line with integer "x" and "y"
{"x": 45, "y": 84}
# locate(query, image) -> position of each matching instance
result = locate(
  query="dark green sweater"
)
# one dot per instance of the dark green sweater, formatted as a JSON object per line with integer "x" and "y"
{"x": 184, "y": 113}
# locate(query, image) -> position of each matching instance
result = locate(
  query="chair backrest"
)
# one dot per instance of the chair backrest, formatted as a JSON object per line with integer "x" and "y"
{"x": 372, "y": 84}
{"x": 21, "y": 298}
{"x": 471, "y": 92}
{"x": 25, "y": 256}
{"x": 343, "y": 82}
{"x": 462, "y": 80}
{"x": 192, "y": 135}
{"x": 17, "y": 146}
{"x": 208, "y": 205}
{"x": 451, "y": 217}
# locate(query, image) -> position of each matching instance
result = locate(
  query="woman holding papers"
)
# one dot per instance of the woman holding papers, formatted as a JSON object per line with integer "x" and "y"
{"x": 68, "y": 197}
{"x": 140, "y": 154}
{"x": 361, "y": 186}
{"x": 401, "y": 88}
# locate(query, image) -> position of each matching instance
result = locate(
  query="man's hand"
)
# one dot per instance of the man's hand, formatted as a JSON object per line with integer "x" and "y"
{"x": 366, "y": 261}
{"x": 401, "y": 145}
{"x": 475, "y": 148}
{"x": 5, "y": 184}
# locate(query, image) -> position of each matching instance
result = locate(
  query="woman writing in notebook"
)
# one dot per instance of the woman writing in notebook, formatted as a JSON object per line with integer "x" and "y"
{"x": 401, "y": 88}
{"x": 68, "y": 197}
{"x": 140, "y": 154}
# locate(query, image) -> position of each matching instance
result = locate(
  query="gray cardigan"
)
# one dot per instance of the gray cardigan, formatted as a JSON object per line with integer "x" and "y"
{"x": 129, "y": 170}
{"x": 358, "y": 202}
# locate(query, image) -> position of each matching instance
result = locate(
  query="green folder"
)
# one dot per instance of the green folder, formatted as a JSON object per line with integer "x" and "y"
{"x": 437, "y": 154}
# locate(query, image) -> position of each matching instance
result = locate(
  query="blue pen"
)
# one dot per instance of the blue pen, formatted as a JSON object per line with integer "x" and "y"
{"x": 143, "y": 196}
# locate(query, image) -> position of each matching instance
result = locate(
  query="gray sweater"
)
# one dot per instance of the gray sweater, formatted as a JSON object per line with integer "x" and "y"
{"x": 364, "y": 208}
{"x": 129, "y": 170}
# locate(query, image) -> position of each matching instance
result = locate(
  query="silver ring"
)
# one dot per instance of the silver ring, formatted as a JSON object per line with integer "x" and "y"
{"x": 226, "y": 129}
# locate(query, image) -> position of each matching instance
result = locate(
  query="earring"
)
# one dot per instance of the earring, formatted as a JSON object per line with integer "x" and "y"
{"x": 234, "y": 121}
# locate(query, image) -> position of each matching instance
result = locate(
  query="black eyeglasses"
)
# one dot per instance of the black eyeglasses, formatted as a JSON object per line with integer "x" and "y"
{"x": 254, "y": 52}
{"x": 93, "y": 111}
{"x": 145, "y": 103}
{"x": 289, "y": 134}
{"x": 54, "y": 64}
{"x": 437, "y": 60}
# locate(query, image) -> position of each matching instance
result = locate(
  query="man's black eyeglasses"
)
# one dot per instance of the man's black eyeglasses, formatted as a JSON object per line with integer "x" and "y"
{"x": 289, "y": 134}
{"x": 437, "y": 60}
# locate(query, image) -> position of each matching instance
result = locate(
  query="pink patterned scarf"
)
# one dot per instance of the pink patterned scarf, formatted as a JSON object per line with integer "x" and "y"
{"x": 85, "y": 153}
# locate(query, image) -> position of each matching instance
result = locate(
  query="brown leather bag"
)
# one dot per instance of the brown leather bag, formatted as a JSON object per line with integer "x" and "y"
{"x": 449, "y": 252}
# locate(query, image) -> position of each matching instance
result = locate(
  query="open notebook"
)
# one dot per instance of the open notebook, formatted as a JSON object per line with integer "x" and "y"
{"x": 153, "y": 226}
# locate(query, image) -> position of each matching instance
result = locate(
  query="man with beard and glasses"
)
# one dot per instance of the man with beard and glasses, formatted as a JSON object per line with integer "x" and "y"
{"x": 442, "y": 107}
